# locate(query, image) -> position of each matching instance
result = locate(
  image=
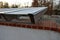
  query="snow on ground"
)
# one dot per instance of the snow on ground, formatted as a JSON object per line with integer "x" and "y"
{"x": 50, "y": 21}
{"x": 14, "y": 33}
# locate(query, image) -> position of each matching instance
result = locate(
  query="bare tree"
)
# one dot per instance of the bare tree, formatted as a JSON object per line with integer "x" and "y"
{"x": 6, "y": 5}
{"x": 59, "y": 5}
{"x": 14, "y": 6}
{"x": 1, "y": 4}
{"x": 35, "y": 3}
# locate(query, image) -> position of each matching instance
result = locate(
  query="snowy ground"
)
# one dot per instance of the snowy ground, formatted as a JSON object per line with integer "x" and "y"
{"x": 55, "y": 18}
{"x": 50, "y": 21}
{"x": 14, "y": 33}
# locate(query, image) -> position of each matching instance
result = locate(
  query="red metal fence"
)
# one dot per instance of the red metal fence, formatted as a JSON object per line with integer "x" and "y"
{"x": 32, "y": 26}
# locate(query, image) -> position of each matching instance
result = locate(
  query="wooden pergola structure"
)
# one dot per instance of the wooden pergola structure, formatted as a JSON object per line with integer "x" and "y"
{"x": 45, "y": 3}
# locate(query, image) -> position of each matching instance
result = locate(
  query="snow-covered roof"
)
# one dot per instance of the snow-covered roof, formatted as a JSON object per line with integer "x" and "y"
{"x": 25, "y": 11}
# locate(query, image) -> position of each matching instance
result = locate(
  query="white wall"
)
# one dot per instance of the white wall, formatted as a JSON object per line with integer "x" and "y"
{"x": 12, "y": 33}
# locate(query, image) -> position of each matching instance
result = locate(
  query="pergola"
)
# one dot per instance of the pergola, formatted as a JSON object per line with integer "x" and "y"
{"x": 24, "y": 15}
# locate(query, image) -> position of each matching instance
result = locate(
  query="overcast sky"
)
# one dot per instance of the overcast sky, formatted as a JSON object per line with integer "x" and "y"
{"x": 23, "y": 2}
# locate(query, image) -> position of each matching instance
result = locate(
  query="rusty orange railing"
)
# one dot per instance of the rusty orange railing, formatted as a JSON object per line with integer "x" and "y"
{"x": 32, "y": 26}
